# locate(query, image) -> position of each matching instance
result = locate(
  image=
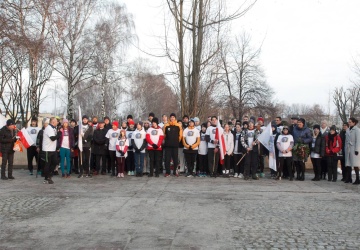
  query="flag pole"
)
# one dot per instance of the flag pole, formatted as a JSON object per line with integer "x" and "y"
{"x": 241, "y": 159}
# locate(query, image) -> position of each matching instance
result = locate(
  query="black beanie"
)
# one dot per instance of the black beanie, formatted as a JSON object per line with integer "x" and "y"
{"x": 316, "y": 126}
{"x": 155, "y": 119}
{"x": 129, "y": 116}
{"x": 172, "y": 114}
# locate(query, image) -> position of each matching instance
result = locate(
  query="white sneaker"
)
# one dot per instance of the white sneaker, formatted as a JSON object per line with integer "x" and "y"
{"x": 119, "y": 175}
{"x": 241, "y": 176}
{"x": 236, "y": 175}
{"x": 129, "y": 173}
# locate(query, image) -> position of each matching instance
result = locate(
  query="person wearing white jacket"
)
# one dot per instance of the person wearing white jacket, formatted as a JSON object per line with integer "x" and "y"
{"x": 229, "y": 144}
{"x": 138, "y": 141}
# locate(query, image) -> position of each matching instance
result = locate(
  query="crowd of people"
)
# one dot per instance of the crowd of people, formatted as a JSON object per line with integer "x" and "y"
{"x": 186, "y": 147}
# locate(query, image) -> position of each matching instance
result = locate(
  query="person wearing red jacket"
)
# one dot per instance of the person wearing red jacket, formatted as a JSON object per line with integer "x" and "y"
{"x": 154, "y": 138}
{"x": 333, "y": 145}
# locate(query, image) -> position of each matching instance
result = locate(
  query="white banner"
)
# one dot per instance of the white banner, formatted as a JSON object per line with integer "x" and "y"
{"x": 80, "y": 145}
{"x": 267, "y": 139}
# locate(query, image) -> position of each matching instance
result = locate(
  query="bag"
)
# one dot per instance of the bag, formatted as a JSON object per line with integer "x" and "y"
{"x": 17, "y": 146}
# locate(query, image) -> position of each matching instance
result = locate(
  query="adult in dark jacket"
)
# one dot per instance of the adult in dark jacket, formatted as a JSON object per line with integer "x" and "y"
{"x": 99, "y": 147}
{"x": 86, "y": 134}
{"x": 107, "y": 127}
{"x": 302, "y": 136}
{"x": 39, "y": 143}
{"x": 342, "y": 156}
{"x": 7, "y": 140}
{"x": 317, "y": 151}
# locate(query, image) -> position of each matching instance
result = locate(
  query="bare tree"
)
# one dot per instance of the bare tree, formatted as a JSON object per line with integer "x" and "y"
{"x": 198, "y": 27}
{"x": 73, "y": 44}
{"x": 347, "y": 102}
{"x": 244, "y": 78}
{"x": 112, "y": 34}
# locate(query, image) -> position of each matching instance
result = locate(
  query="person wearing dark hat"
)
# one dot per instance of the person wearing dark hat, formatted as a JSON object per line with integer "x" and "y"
{"x": 7, "y": 140}
{"x": 31, "y": 151}
{"x": 138, "y": 141}
{"x": 173, "y": 136}
{"x": 317, "y": 151}
{"x": 99, "y": 147}
{"x": 95, "y": 125}
{"x": 130, "y": 160}
{"x": 39, "y": 149}
{"x": 75, "y": 153}
{"x": 113, "y": 135}
{"x": 302, "y": 138}
{"x": 86, "y": 135}
{"x": 294, "y": 120}
{"x": 154, "y": 139}
{"x": 333, "y": 145}
{"x": 151, "y": 116}
{"x": 107, "y": 127}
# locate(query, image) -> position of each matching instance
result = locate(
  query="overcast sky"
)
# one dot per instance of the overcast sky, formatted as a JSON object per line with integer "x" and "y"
{"x": 308, "y": 47}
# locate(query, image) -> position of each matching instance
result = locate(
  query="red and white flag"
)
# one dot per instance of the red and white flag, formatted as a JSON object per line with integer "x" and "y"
{"x": 220, "y": 137}
{"x": 25, "y": 138}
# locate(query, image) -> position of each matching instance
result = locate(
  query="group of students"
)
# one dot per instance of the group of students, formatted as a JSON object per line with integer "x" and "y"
{"x": 187, "y": 146}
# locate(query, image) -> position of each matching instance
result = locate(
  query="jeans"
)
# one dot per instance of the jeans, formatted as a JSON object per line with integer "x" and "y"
{"x": 190, "y": 159}
{"x": 65, "y": 154}
{"x": 130, "y": 163}
{"x": 103, "y": 163}
{"x": 139, "y": 162}
{"x": 202, "y": 163}
{"x": 251, "y": 163}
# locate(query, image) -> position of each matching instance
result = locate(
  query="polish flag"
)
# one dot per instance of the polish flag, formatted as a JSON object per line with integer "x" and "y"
{"x": 25, "y": 138}
{"x": 220, "y": 137}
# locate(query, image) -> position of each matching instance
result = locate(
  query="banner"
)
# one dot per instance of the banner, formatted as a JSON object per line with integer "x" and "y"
{"x": 220, "y": 137}
{"x": 25, "y": 138}
{"x": 80, "y": 145}
{"x": 267, "y": 139}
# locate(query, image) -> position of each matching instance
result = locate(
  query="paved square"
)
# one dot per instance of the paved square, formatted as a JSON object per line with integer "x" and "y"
{"x": 177, "y": 213}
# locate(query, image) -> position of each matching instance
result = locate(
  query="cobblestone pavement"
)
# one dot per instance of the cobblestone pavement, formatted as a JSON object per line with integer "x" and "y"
{"x": 177, "y": 213}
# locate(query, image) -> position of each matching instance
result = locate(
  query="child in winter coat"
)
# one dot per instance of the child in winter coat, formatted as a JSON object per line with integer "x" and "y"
{"x": 229, "y": 145}
{"x": 285, "y": 143}
{"x": 122, "y": 145}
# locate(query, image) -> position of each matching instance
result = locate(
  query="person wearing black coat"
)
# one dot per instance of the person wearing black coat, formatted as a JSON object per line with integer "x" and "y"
{"x": 7, "y": 140}
{"x": 317, "y": 151}
{"x": 99, "y": 147}
{"x": 342, "y": 157}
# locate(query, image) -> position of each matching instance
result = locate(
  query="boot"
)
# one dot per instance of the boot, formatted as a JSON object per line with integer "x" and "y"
{"x": 348, "y": 175}
{"x": 357, "y": 181}
{"x": 297, "y": 172}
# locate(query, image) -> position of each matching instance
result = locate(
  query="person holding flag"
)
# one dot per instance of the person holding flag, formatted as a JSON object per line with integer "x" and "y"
{"x": 85, "y": 135}
{"x": 216, "y": 146}
{"x": 32, "y": 131}
{"x": 267, "y": 138}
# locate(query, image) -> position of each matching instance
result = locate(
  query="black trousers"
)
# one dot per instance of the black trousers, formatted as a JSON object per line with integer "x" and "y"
{"x": 316, "y": 162}
{"x": 324, "y": 166}
{"x": 285, "y": 163}
{"x": 50, "y": 161}
{"x": 93, "y": 161}
{"x": 300, "y": 170}
{"x": 7, "y": 159}
{"x": 31, "y": 153}
{"x": 332, "y": 167}
{"x": 261, "y": 160}
{"x": 227, "y": 161}
{"x": 103, "y": 160}
{"x": 239, "y": 168}
{"x": 75, "y": 164}
{"x": 213, "y": 160}
{"x": 171, "y": 153}
{"x": 190, "y": 159}
{"x": 113, "y": 161}
{"x": 85, "y": 167}
{"x": 202, "y": 163}
{"x": 130, "y": 161}
{"x": 155, "y": 161}
{"x": 251, "y": 163}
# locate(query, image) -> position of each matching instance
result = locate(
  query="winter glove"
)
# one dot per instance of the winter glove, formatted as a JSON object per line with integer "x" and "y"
{"x": 190, "y": 147}
{"x": 356, "y": 152}
{"x": 155, "y": 146}
{"x": 122, "y": 153}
